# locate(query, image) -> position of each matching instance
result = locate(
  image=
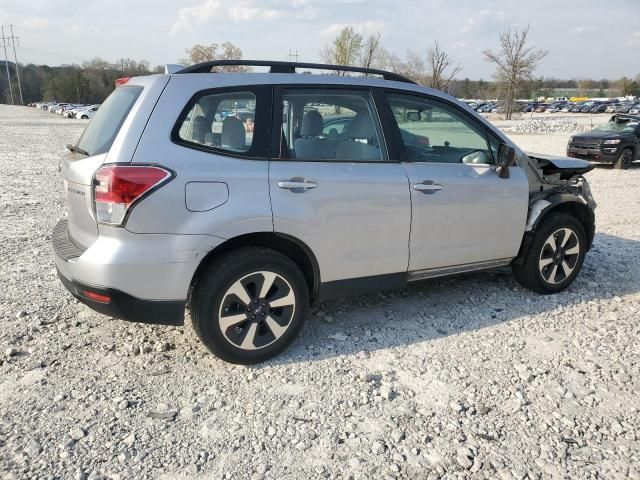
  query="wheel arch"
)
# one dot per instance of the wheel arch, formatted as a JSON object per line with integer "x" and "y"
{"x": 568, "y": 203}
{"x": 293, "y": 248}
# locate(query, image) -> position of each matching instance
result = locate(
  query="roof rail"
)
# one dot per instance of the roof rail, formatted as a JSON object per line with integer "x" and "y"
{"x": 290, "y": 67}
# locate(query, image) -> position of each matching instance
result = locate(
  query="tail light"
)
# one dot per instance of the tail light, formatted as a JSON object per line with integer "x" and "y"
{"x": 118, "y": 187}
{"x": 121, "y": 81}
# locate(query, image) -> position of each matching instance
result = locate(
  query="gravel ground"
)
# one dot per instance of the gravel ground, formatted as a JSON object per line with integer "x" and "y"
{"x": 471, "y": 377}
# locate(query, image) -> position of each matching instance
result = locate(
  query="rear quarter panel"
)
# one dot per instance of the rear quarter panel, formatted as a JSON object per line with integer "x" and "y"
{"x": 248, "y": 207}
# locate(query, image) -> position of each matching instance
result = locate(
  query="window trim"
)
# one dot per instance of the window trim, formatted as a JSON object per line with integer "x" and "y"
{"x": 398, "y": 143}
{"x": 260, "y": 145}
{"x": 277, "y": 114}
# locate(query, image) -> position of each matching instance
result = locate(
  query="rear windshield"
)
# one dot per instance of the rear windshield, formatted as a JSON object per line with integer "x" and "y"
{"x": 100, "y": 133}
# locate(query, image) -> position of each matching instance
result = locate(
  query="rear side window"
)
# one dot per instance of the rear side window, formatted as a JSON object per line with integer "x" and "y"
{"x": 220, "y": 121}
{"x": 99, "y": 135}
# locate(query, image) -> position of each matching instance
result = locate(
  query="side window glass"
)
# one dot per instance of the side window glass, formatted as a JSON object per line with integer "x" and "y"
{"x": 432, "y": 131}
{"x": 224, "y": 121}
{"x": 330, "y": 125}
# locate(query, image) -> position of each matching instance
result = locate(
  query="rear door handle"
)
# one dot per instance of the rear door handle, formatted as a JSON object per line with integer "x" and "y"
{"x": 427, "y": 187}
{"x": 297, "y": 184}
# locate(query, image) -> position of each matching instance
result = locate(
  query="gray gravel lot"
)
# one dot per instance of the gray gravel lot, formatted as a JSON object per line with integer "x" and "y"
{"x": 470, "y": 377}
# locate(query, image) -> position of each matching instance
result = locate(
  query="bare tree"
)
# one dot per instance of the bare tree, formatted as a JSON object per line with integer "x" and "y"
{"x": 206, "y": 53}
{"x": 412, "y": 67}
{"x": 345, "y": 48}
{"x": 515, "y": 62}
{"x": 442, "y": 71}
{"x": 373, "y": 54}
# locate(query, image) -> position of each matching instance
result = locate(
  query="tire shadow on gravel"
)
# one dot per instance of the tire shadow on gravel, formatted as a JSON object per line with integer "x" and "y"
{"x": 434, "y": 309}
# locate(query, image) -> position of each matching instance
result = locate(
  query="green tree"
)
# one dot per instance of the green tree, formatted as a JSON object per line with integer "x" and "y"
{"x": 345, "y": 48}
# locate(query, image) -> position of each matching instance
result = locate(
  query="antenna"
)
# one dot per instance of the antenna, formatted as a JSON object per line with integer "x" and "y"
{"x": 6, "y": 61}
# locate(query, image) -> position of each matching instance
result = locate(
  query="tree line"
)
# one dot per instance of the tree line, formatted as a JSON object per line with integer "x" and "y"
{"x": 515, "y": 63}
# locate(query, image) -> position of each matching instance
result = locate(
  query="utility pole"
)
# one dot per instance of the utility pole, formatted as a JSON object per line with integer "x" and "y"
{"x": 293, "y": 56}
{"x": 6, "y": 61}
{"x": 15, "y": 57}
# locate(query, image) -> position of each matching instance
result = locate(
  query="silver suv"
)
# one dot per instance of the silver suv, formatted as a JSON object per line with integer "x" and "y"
{"x": 248, "y": 196}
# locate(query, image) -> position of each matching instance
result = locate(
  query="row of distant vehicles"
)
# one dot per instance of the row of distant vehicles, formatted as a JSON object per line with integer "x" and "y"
{"x": 68, "y": 110}
{"x": 563, "y": 106}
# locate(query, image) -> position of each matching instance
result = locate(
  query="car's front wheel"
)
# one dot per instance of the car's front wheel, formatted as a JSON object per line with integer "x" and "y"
{"x": 249, "y": 305}
{"x": 624, "y": 160}
{"x": 555, "y": 255}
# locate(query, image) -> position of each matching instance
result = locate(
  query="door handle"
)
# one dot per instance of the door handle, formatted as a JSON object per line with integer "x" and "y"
{"x": 427, "y": 187}
{"x": 297, "y": 184}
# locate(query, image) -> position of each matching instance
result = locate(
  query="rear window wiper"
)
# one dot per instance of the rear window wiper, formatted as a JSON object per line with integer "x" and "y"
{"x": 73, "y": 148}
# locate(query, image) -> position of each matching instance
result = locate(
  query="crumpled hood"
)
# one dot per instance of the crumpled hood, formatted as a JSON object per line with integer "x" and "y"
{"x": 565, "y": 166}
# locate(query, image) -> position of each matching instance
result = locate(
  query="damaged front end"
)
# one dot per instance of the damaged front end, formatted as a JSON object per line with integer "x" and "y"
{"x": 559, "y": 175}
{"x": 557, "y": 183}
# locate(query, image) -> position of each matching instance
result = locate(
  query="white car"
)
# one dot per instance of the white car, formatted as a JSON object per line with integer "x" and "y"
{"x": 67, "y": 113}
{"x": 87, "y": 113}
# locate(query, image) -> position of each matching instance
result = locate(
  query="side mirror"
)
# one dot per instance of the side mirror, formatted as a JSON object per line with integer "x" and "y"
{"x": 413, "y": 116}
{"x": 506, "y": 158}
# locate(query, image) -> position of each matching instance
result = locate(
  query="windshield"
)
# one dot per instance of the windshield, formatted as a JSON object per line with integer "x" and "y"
{"x": 615, "y": 127}
{"x": 100, "y": 133}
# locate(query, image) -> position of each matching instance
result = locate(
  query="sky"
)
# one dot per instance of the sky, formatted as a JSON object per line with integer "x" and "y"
{"x": 585, "y": 38}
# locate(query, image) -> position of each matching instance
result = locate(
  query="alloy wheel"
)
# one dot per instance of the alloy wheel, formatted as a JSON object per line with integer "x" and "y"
{"x": 559, "y": 256}
{"x": 257, "y": 310}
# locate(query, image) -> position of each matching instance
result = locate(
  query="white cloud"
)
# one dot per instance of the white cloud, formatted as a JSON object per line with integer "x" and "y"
{"x": 364, "y": 28}
{"x": 190, "y": 17}
{"x": 244, "y": 13}
{"x": 35, "y": 23}
{"x": 580, "y": 29}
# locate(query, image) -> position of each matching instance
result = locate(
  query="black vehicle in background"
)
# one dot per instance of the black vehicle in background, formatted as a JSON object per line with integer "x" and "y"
{"x": 616, "y": 142}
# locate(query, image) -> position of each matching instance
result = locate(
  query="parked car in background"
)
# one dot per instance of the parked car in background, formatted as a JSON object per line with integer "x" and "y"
{"x": 600, "y": 108}
{"x": 616, "y": 142}
{"x": 68, "y": 113}
{"x": 624, "y": 108}
{"x": 635, "y": 110}
{"x": 87, "y": 113}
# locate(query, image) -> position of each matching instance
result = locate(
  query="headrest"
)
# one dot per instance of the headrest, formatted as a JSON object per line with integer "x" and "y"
{"x": 361, "y": 126}
{"x": 233, "y": 134}
{"x": 199, "y": 128}
{"x": 311, "y": 124}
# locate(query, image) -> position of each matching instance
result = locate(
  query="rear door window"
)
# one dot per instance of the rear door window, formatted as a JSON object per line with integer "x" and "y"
{"x": 99, "y": 135}
{"x": 331, "y": 124}
{"x": 232, "y": 122}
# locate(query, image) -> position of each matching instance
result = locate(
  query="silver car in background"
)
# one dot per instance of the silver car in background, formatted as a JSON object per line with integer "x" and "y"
{"x": 248, "y": 196}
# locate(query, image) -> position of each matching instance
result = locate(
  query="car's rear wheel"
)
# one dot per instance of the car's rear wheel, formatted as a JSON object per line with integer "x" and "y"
{"x": 555, "y": 255}
{"x": 624, "y": 160}
{"x": 249, "y": 305}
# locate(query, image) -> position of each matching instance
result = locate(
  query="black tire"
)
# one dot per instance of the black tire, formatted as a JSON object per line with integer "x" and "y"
{"x": 247, "y": 268}
{"x": 532, "y": 275}
{"x": 625, "y": 159}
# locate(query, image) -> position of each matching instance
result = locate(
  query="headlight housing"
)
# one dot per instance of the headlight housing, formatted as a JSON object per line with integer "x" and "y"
{"x": 613, "y": 141}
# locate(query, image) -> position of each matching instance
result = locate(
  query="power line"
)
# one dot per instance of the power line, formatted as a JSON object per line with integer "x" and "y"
{"x": 15, "y": 57}
{"x": 6, "y": 61}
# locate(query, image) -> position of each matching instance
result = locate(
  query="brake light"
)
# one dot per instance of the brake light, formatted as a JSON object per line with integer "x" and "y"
{"x": 96, "y": 297}
{"x": 118, "y": 187}
{"x": 121, "y": 81}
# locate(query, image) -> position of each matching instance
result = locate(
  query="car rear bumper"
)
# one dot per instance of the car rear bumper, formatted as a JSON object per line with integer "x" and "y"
{"x": 145, "y": 276}
{"x": 117, "y": 304}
